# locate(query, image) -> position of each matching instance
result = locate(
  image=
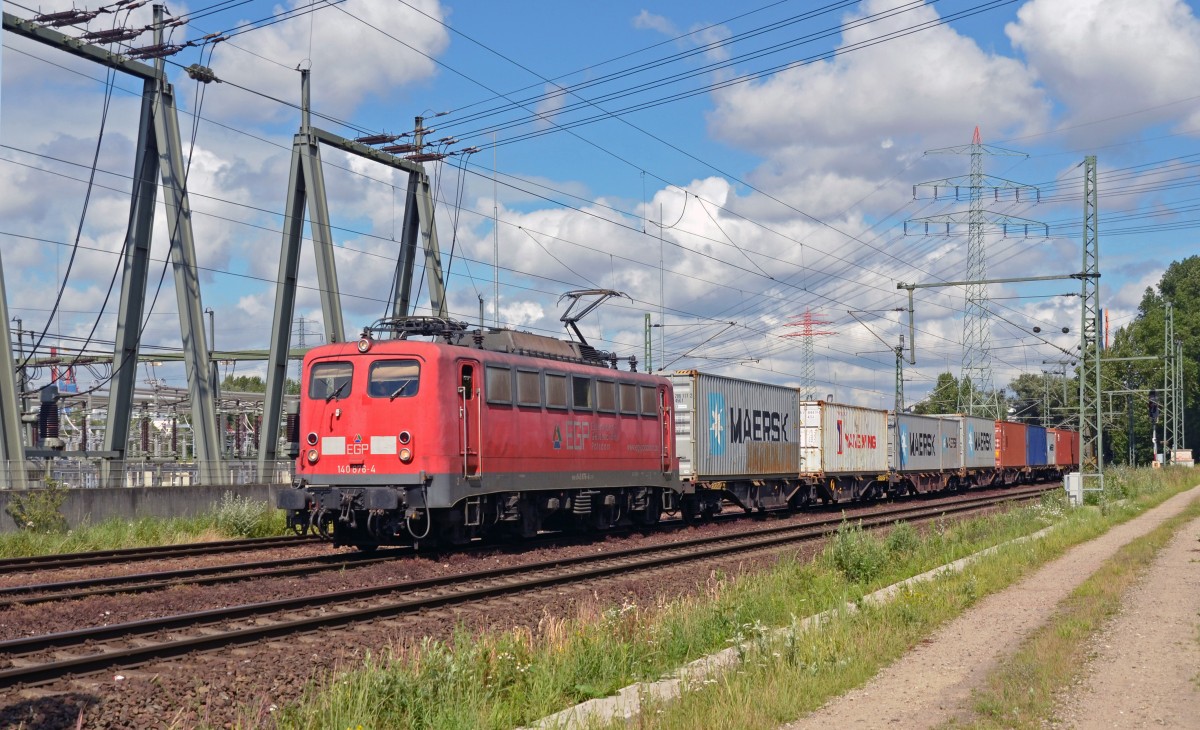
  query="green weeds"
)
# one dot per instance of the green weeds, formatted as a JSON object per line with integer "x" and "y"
{"x": 235, "y": 517}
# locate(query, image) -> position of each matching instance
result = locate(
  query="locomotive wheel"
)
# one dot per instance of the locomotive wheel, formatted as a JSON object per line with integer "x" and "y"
{"x": 367, "y": 547}
{"x": 652, "y": 513}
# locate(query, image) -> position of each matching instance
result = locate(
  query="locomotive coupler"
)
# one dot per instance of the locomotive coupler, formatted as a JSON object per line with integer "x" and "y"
{"x": 347, "y": 514}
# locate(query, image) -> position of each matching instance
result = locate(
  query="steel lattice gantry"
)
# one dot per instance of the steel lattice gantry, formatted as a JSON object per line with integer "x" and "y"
{"x": 1091, "y": 448}
{"x": 306, "y": 188}
{"x": 1170, "y": 396}
{"x": 159, "y": 156}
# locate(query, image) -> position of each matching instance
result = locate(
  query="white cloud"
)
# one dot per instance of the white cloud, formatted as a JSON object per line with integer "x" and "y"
{"x": 1106, "y": 58}
{"x": 827, "y": 129}
{"x": 935, "y": 84}
{"x": 363, "y": 53}
{"x": 647, "y": 20}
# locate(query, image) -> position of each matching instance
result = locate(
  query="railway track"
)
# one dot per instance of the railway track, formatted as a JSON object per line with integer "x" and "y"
{"x": 36, "y": 593}
{"x": 130, "y": 555}
{"x": 48, "y": 657}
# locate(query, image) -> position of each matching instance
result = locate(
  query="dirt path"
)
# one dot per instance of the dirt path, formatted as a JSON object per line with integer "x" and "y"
{"x": 932, "y": 684}
{"x": 1144, "y": 669}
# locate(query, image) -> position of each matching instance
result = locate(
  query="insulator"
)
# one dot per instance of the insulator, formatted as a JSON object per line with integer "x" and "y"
{"x": 374, "y": 139}
{"x": 48, "y": 414}
{"x": 292, "y": 429}
{"x": 174, "y": 436}
{"x": 203, "y": 74}
{"x": 113, "y": 35}
{"x": 158, "y": 50}
{"x": 146, "y": 435}
{"x": 83, "y": 444}
{"x": 426, "y": 157}
{"x": 399, "y": 149}
{"x": 67, "y": 17}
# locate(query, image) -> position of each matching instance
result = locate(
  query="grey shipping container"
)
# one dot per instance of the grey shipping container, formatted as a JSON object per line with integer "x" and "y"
{"x": 927, "y": 443}
{"x": 728, "y": 429}
{"x": 841, "y": 439}
{"x": 978, "y": 438}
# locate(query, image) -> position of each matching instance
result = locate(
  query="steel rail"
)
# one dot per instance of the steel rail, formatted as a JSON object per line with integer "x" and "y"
{"x": 25, "y": 666}
{"x": 35, "y": 593}
{"x": 129, "y": 555}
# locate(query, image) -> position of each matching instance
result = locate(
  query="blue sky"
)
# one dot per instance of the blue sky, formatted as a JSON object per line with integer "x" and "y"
{"x": 777, "y": 145}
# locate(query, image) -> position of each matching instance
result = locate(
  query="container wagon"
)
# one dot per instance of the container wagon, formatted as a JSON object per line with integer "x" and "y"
{"x": 738, "y": 441}
{"x": 1012, "y": 464}
{"x": 1066, "y": 448}
{"x": 844, "y": 450}
{"x": 928, "y": 452}
{"x": 759, "y": 447}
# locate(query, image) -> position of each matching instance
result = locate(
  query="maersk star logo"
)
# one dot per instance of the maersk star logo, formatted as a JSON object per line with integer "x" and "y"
{"x": 716, "y": 426}
{"x": 717, "y": 429}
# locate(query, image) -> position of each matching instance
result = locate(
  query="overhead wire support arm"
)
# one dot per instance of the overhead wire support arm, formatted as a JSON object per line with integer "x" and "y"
{"x": 912, "y": 340}
{"x": 33, "y": 31}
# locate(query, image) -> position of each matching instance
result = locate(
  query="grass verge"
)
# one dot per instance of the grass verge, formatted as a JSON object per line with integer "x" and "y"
{"x": 234, "y": 517}
{"x": 1023, "y": 691}
{"x": 505, "y": 679}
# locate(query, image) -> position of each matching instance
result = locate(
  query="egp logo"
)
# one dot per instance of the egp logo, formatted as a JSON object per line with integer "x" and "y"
{"x": 716, "y": 424}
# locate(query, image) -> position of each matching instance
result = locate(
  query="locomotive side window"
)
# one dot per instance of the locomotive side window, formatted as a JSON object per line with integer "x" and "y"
{"x": 581, "y": 393}
{"x": 629, "y": 398}
{"x": 393, "y": 379}
{"x": 330, "y": 380}
{"x": 529, "y": 388}
{"x": 556, "y": 390}
{"x": 649, "y": 400}
{"x": 606, "y": 396}
{"x": 468, "y": 382}
{"x": 498, "y": 385}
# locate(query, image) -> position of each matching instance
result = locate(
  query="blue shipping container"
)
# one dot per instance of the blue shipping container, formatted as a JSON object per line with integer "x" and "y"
{"x": 1035, "y": 445}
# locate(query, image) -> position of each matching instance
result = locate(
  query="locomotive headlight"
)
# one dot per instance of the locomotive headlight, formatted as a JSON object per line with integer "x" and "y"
{"x": 404, "y": 437}
{"x": 364, "y": 344}
{"x": 311, "y": 438}
{"x": 406, "y": 455}
{"x": 313, "y": 456}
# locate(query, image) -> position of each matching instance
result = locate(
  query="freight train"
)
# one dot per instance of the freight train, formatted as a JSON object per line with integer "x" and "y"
{"x": 425, "y": 430}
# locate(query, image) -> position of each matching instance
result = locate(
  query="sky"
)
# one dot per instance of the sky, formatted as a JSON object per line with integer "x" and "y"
{"x": 729, "y": 168}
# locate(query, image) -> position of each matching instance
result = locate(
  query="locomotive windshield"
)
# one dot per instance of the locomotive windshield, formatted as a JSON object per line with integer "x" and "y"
{"x": 330, "y": 380}
{"x": 393, "y": 379}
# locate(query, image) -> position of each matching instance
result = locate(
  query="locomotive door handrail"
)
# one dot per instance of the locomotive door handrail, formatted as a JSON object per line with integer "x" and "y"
{"x": 467, "y": 392}
{"x": 665, "y": 431}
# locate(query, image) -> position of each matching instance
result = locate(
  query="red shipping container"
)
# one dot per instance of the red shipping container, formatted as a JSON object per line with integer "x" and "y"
{"x": 1066, "y": 447}
{"x": 1010, "y": 445}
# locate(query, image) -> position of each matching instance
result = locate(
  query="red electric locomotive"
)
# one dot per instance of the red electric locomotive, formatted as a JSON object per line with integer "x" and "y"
{"x": 424, "y": 430}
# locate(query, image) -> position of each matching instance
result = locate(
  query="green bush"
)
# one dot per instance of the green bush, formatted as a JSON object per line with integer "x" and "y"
{"x": 38, "y": 509}
{"x": 858, "y": 555}
{"x": 242, "y": 517}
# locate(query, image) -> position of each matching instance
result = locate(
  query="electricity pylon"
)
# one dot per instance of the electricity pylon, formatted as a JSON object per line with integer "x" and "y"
{"x": 976, "y": 395}
{"x": 809, "y": 325}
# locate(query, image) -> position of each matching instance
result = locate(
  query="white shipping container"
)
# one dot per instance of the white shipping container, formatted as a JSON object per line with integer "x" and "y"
{"x": 727, "y": 429}
{"x": 842, "y": 439}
